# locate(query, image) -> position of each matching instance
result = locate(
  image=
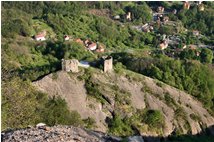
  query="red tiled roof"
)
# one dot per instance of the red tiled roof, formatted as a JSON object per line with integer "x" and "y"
{"x": 92, "y": 45}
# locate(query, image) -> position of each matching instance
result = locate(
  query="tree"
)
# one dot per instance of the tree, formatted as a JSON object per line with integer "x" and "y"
{"x": 19, "y": 104}
{"x": 188, "y": 54}
{"x": 206, "y": 55}
{"x": 56, "y": 112}
{"x": 141, "y": 11}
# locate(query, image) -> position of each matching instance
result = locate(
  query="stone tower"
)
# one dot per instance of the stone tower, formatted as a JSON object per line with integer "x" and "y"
{"x": 107, "y": 63}
{"x": 70, "y": 65}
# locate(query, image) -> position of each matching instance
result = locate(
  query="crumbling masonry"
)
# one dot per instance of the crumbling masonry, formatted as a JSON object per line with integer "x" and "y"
{"x": 70, "y": 65}
{"x": 107, "y": 63}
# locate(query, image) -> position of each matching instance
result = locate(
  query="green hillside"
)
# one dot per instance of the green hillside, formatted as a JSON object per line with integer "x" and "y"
{"x": 25, "y": 60}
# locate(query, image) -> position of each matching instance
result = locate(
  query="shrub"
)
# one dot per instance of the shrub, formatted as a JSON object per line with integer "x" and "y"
{"x": 154, "y": 119}
{"x": 119, "y": 127}
{"x": 56, "y": 112}
{"x": 89, "y": 122}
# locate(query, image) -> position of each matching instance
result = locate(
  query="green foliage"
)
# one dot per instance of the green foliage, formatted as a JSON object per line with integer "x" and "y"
{"x": 169, "y": 100}
{"x": 194, "y": 19}
{"x": 195, "y": 117}
{"x": 91, "y": 86}
{"x": 92, "y": 89}
{"x": 19, "y": 104}
{"x": 54, "y": 76}
{"x": 141, "y": 13}
{"x": 118, "y": 67}
{"x": 22, "y": 105}
{"x": 154, "y": 119}
{"x": 197, "y": 79}
{"x": 89, "y": 122}
{"x": 12, "y": 25}
{"x": 206, "y": 55}
{"x": 118, "y": 126}
{"x": 56, "y": 112}
{"x": 180, "y": 113}
{"x": 188, "y": 54}
{"x": 168, "y": 30}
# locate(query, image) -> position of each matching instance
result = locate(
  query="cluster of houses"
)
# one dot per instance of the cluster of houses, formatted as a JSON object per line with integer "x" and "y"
{"x": 41, "y": 36}
{"x": 145, "y": 28}
{"x": 175, "y": 40}
{"x": 200, "y": 5}
{"x": 92, "y": 46}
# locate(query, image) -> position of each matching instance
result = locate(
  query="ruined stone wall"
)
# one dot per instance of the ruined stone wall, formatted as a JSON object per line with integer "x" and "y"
{"x": 70, "y": 65}
{"x": 107, "y": 63}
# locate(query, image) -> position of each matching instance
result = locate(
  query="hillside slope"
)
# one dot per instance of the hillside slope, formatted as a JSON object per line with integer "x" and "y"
{"x": 128, "y": 92}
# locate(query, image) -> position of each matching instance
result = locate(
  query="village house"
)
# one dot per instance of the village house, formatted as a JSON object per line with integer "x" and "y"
{"x": 66, "y": 37}
{"x": 128, "y": 16}
{"x": 192, "y": 47}
{"x": 117, "y": 17}
{"x": 163, "y": 45}
{"x": 186, "y": 5}
{"x": 100, "y": 48}
{"x": 147, "y": 28}
{"x": 92, "y": 46}
{"x": 160, "y": 9}
{"x": 195, "y": 32}
{"x": 78, "y": 40}
{"x": 87, "y": 42}
{"x": 40, "y": 36}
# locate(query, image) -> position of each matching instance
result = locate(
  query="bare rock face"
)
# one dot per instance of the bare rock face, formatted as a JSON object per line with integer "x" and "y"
{"x": 57, "y": 134}
{"x": 144, "y": 92}
{"x": 74, "y": 92}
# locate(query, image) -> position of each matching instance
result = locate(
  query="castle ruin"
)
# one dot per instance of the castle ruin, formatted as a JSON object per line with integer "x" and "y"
{"x": 107, "y": 63}
{"x": 70, "y": 65}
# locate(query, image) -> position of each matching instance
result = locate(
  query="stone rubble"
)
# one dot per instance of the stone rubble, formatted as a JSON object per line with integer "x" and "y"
{"x": 56, "y": 134}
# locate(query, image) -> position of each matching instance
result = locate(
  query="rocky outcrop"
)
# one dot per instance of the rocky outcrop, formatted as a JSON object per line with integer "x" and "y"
{"x": 181, "y": 111}
{"x": 74, "y": 92}
{"x": 56, "y": 134}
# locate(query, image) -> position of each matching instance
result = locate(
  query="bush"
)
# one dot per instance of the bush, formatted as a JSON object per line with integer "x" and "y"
{"x": 154, "y": 119}
{"x": 56, "y": 112}
{"x": 89, "y": 123}
{"x": 196, "y": 78}
{"x": 119, "y": 127}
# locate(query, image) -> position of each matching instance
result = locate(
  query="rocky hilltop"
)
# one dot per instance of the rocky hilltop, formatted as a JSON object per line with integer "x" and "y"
{"x": 136, "y": 92}
{"x": 55, "y": 134}
{"x": 60, "y": 134}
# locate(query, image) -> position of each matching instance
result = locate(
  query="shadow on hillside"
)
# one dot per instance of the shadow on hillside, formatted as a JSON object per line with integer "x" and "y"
{"x": 38, "y": 72}
{"x": 207, "y": 135}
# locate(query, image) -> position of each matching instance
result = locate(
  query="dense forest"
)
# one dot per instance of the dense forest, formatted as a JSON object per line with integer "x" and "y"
{"x": 25, "y": 60}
